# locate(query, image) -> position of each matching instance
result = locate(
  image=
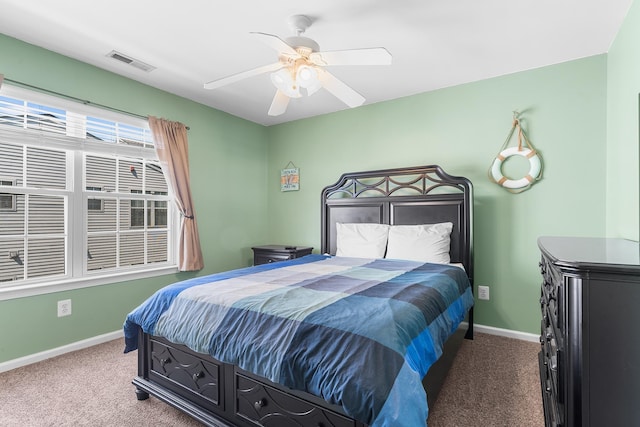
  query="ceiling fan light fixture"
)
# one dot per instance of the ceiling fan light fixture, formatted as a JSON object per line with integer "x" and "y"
{"x": 284, "y": 82}
{"x": 307, "y": 77}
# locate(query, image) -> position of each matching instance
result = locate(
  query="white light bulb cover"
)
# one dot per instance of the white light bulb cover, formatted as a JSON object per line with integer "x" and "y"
{"x": 311, "y": 89}
{"x": 307, "y": 76}
{"x": 283, "y": 81}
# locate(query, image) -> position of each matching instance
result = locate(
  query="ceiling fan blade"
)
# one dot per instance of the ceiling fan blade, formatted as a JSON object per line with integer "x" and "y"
{"x": 279, "y": 104}
{"x": 243, "y": 75}
{"x": 367, "y": 56}
{"x": 276, "y": 43}
{"x": 339, "y": 89}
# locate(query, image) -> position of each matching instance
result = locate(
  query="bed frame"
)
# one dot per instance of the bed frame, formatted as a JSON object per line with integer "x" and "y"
{"x": 220, "y": 394}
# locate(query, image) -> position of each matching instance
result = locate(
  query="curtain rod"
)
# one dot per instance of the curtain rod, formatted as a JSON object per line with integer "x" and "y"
{"x": 73, "y": 98}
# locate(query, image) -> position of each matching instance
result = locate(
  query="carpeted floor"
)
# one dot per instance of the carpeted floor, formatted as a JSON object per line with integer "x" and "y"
{"x": 494, "y": 382}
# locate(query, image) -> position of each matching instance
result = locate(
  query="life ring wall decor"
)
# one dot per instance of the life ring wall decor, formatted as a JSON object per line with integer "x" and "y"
{"x": 535, "y": 167}
{"x": 530, "y": 153}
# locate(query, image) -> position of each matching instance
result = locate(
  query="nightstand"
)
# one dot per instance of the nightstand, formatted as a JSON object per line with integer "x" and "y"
{"x": 273, "y": 253}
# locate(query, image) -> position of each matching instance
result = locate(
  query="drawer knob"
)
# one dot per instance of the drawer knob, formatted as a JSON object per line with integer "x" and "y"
{"x": 259, "y": 404}
{"x": 198, "y": 375}
{"x": 165, "y": 361}
{"x": 270, "y": 260}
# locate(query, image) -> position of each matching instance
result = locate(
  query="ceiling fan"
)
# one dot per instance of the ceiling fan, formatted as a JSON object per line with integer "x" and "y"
{"x": 301, "y": 65}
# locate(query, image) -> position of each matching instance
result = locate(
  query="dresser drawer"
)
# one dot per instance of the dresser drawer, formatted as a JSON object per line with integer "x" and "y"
{"x": 269, "y": 407}
{"x": 552, "y": 294}
{"x": 552, "y": 414}
{"x": 180, "y": 369}
{"x": 550, "y": 274}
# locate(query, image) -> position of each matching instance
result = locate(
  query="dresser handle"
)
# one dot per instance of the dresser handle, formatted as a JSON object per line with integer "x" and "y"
{"x": 270, "y": 260}
{"x": 198, "y": 375}
{"x": 165, "y": 361}
{"x": 259, "y": 404}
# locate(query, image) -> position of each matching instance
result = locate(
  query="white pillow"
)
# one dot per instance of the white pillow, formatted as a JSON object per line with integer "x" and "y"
{"x": 426, "y": 242}
{"x": 362, "y": 240}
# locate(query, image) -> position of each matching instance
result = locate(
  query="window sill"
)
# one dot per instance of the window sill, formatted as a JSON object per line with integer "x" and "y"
{"x": 48, "y": 287}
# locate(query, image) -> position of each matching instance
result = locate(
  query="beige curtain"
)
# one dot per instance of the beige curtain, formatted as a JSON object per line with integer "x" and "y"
{"x": 170, "y": 139}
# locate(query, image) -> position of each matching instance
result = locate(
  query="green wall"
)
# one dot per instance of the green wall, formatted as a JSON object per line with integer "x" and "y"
{"x": 228, "y": 168}
{"x": 462, "y": 129}
{"x": 581, "y": 115}
{"x": 623, "y": 89}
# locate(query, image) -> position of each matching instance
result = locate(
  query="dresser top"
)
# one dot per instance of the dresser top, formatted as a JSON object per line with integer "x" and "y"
{"x": 591, "y": 252}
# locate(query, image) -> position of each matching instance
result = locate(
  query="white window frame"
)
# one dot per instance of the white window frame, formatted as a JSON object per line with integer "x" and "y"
{"x": 76, "y": 275}
{"x": 101, "y": 209}
{"x": 3, "y": 183}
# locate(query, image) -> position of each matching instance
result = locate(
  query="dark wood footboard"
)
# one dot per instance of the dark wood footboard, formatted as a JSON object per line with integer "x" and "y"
{"x": 220, "y": 394}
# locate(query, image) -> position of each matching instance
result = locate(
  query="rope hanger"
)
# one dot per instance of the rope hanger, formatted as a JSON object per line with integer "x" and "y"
{"x": 521, "y": 134}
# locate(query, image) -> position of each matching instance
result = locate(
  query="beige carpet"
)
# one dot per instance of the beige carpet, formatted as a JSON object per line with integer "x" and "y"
{"x": 494, "y": 382}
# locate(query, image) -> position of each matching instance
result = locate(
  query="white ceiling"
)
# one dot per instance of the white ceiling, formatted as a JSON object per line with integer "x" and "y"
{"x": 434, "y": 44}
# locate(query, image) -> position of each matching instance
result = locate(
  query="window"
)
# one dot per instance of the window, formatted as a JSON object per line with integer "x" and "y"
{"x": 7, "y": 200}
{"x": 156, "y": 212}
{"x": 82, "y": 194}
{"x": 92, "y": 203}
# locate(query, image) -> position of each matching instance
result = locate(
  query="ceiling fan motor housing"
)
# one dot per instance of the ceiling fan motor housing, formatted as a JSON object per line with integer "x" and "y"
{"x": 299, "y": 23}
{"x": 298, "y": 42}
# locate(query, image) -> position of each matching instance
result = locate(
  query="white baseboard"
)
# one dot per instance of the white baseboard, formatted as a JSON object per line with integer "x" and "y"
{"x": 525, "y": 336}
{"x": 78, "y": 345}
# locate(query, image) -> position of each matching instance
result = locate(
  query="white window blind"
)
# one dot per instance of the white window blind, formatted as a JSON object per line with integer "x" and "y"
{"x": 82, "y": 194}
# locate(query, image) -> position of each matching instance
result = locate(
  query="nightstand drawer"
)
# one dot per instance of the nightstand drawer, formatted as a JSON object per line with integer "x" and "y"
{"x": 266, "y": 259}
{"x": 274, "y": 253}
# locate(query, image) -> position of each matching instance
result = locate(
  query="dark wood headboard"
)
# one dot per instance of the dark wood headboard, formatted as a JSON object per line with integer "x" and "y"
{"x": 405, "y": 196}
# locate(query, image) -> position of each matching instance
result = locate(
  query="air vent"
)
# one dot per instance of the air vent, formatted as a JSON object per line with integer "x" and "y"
{"x": 130, "y": 61}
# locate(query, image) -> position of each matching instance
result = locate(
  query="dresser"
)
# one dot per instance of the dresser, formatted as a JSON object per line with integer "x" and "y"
{"x": 273, "y": 253}
{"x": 590, "y": 331}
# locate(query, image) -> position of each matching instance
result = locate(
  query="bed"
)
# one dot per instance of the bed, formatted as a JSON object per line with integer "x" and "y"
{"x": 277, "y": 344}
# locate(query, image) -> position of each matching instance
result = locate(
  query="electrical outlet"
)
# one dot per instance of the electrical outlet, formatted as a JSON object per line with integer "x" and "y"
{"x": 64, "y": 308}
{"x": 483, "y": 292}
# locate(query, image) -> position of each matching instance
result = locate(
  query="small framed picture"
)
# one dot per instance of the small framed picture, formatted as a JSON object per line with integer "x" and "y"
{"x": 290, "y": 179}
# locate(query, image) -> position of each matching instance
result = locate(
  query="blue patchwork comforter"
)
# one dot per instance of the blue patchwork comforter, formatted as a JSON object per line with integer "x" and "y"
{"x": 360, "y": 333}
